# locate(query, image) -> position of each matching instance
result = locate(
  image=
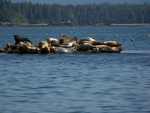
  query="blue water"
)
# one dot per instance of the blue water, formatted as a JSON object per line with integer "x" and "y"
{"x": 77, "y": 83}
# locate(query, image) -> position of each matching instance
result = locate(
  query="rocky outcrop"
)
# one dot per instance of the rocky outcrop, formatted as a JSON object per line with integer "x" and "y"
{"x": 63, "y": 45}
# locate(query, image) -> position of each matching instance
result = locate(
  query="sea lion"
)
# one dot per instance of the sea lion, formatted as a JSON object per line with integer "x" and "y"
{"x": 112, "y": 43}
{"x": 108, "y": 49}
{"x": 19, "y": 39}
{"x": 63, "y": 39}
{"x": 85, "y": 47}
{"x": 25, "y": 43}
{"x": 45, "y": 50}
{"x": 87, "y": 39}
{"x": 11, "y": 48}
{"x": 74, "y": 40}
{"x": 96, "y": 42}
{"x": 43, "y": 44}
{"x": 44, "y": 47}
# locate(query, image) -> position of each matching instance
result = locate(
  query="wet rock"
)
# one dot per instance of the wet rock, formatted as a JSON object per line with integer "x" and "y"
{"x": 64, "y": 45}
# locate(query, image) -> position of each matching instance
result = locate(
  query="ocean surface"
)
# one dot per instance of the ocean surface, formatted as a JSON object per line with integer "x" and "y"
{"x": 77, "y": 83}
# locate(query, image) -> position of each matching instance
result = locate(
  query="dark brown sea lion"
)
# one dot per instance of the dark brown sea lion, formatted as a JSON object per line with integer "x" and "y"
{"x": 19, "y": 39}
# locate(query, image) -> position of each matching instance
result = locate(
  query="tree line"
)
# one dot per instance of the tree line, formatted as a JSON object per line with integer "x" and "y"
{"x": 27, "y": 12}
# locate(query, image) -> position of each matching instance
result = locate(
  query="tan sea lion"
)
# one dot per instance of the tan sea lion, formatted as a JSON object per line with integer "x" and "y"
{"x": 63, "y": 39}
{"x": 112, "y": 43}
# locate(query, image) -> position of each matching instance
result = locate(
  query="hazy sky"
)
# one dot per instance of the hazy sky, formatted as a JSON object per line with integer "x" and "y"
{"x": 84, "y": 1}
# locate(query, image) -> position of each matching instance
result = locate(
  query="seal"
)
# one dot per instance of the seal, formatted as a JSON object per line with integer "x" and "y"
{"x": 66, "y": 44}
{"x": 53, "y": 41}
{"x": 63, "y": 50}
{"x": 50, "y": 40}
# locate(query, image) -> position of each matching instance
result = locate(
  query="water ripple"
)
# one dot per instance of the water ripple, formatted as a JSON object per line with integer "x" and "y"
{"x": 77, "y": 83}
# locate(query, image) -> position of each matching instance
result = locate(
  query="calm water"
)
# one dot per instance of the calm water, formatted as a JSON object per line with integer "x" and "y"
{"x": 77, "y": 83}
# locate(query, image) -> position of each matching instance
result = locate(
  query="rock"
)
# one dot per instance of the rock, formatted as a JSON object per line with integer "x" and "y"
{"x": 64, "y": 45}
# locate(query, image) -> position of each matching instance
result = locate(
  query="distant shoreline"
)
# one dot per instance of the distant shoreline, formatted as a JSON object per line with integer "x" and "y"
{"x": 132, "y": 25}
{"x": 98, "y": 25}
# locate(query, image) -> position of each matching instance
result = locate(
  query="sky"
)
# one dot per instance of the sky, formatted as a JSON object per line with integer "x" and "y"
{"x": 84, "y": 1}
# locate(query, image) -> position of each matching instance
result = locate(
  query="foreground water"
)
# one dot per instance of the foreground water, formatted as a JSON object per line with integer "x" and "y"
{"x": 77, "y": 83}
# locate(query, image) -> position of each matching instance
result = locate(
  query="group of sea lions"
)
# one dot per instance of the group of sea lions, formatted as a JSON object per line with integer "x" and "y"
{"x": 63, "y": 45}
